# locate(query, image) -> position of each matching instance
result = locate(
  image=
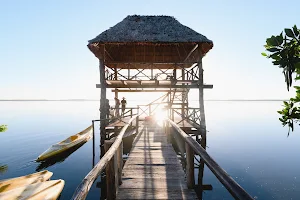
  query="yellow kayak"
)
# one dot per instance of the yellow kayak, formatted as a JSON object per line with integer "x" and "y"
{"x": 66, "y": 144}
{"x": 9, "y": 184}
{"x": 49, "y": 190}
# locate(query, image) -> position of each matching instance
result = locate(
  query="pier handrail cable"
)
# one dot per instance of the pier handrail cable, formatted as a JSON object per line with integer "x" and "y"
{"x": 228, "y": 182}
{"x": 84, "y": 187}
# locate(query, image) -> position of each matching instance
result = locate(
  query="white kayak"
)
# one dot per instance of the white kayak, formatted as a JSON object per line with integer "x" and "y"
{"x": 68, "y": 143}
{"x": 49, "y": 190}
{"x": 9, "y": 184}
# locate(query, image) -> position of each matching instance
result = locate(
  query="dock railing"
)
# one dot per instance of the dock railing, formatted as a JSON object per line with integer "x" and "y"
{"x": 192, "y": 147}
{"x": 112, "y": 162}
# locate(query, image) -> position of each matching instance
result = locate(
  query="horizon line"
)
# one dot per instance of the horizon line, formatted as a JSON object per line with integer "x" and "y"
{"x": 141, "y": 100}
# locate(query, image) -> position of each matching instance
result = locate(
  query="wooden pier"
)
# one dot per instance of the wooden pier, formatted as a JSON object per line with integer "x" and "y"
{"x": 153, "y": 170}
{"x": 153, "y": 54}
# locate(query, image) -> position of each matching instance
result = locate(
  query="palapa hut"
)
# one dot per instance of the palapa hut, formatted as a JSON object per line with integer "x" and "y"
{"x": 154, "y": 52}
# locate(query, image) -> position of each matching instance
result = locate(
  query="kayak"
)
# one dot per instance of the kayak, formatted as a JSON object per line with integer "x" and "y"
{"x": 66, "y": 144}
{"x": 49, "y": 190}
{"x": 9, "y": 184}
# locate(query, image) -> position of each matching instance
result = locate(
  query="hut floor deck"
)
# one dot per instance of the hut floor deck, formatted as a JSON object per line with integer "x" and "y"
{"x": 153, "y": 170}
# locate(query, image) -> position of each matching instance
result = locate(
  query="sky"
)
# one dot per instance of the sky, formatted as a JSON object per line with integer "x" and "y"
{"x": 43, "y": 53}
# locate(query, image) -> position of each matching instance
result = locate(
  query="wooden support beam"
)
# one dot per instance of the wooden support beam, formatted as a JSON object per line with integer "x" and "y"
{"x": 190, "y": 179}
{"x": 201, "y": 100}
{"x": 111, "y": 171}
{"x": 102, "y": 105}
{"x": 191, "y": 86}
{"x": 190, "y": 53}
{"x": 124, "y": 90}
{"x": 120, "y": 162}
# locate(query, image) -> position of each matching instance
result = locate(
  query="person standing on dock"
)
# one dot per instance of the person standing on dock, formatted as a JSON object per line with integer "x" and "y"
{"x": 117, "y": 107}
{"x": 123, "y": 102}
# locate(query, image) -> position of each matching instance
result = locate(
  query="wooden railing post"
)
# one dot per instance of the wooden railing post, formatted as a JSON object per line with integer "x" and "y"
{"x": 168, "y": 130}
{"x": 93, "y": 143}
{"x": 120, "y": 162}
{"x": 190, "y": 179}
{"x": 137, "y": 120}
{"x": 111, "y": 171}
{"x": 131, "y": 117}
{"x": 172, "y": 114}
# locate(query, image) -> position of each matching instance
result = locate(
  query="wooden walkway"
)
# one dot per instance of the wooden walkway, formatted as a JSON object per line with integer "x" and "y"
{"x": 153, "y": 170}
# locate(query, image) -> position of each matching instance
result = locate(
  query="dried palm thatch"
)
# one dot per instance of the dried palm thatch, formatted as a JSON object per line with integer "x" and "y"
{"x": 155, "y": 29}
{"x": 149, "y": 39}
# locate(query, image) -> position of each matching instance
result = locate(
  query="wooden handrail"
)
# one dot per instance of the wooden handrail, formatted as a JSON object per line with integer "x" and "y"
{"x": 230, "y": 184}
{"x": 84, "y": 187}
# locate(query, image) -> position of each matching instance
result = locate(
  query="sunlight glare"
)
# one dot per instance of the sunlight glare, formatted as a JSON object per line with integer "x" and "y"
{"x": 160, "y": 115}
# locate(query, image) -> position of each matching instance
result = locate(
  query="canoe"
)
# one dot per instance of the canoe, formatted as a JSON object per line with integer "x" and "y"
{"x": 66, "y": 144}
{"x": 49, "y": 190}
{"x": 9, "y": 184}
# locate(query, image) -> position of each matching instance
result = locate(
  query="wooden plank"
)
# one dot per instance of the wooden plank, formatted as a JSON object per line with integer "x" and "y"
{"x": 153, "y": 174}
{"x": 140, "y": 168}
{"x": 152, "y": 183}
{"x": 156, "y": 194}
{"x": 166, "y": 161}
{"x": 153, "y": 170}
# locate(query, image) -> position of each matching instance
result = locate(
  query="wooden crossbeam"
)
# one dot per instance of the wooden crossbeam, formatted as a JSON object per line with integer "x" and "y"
{"x": 139, "y": 90}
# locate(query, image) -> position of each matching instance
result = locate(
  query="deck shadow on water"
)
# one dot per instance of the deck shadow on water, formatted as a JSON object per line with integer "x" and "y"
{"x": 57, "y": 159}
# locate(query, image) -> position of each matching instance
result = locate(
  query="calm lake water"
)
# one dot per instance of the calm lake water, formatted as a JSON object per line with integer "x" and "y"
{"x": 245, "y": 138}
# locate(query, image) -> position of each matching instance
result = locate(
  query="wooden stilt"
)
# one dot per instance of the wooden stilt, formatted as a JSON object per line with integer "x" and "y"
{"x": 93, "y": 143}
{"x": 102, "y": 105}
{"x": 201, "y": 102}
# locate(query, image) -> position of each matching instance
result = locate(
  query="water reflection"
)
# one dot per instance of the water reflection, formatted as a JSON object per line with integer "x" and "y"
{"x": 3, "y": 168}
{"x": 57, "y": 159}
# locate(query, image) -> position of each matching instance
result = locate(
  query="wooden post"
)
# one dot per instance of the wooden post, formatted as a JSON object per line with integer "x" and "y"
{"x": 201, "y": 99}
{"x": 172, "y": 114}
{"x": 168, "y": 131}
{"x": 111, "y": 171}
{"x": 200, "y": 178}
{"x": 182, "y": 95}
{"x": 131, "y": 117}
{"x": 120, "y": 162}
{"x": 190, "y": 179}
{"x": 137, "y": 120}
{"x": 102, "y": 105}
{"x": 93, "y": 143}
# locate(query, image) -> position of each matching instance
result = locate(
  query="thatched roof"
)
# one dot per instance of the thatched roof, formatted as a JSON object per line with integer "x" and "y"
{"x": 153, "y": 29}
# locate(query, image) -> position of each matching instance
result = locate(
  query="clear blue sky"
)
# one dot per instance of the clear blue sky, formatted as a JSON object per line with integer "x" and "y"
{"x": 43, "y": 51}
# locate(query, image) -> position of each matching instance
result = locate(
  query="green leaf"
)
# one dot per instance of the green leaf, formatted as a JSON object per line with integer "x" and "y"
{"x": 289, "y": 32}
{"x": 279, "y": 39}
{"x": 272, "y": 41}
{"x": 273, "y": 49}
{"x": 296, "y": 31}
{"x": 264, "y": 54}
{"x": 275, "y": 56}
{"x": 297, "y": 65}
